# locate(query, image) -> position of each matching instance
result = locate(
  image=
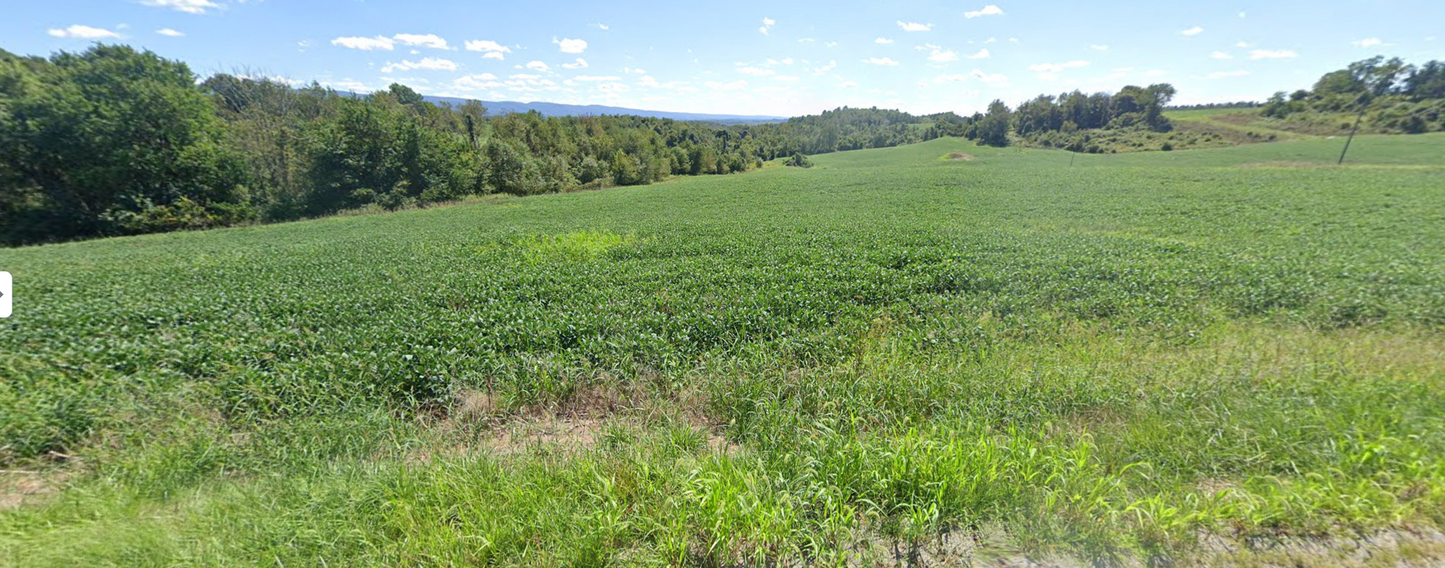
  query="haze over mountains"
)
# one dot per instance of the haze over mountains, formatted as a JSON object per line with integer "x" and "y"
{"x": 557, "y": 109}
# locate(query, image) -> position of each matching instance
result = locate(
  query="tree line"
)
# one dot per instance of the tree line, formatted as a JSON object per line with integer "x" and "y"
{"x": 1059, "y": 121}
{"x": 1389, "y": 95}
{"x": 116, "y": 141}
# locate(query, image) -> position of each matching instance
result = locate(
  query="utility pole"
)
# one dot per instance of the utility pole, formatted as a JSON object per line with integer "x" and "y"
{"x": 1364, "y": 105}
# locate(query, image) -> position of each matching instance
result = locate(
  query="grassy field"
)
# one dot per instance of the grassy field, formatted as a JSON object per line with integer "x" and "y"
{"x": 891, "y": 358}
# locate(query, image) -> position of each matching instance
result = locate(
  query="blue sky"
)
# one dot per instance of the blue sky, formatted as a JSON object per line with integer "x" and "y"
{"x": 752, "y": 57}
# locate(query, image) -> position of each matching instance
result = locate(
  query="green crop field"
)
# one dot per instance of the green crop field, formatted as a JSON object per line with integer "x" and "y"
{"x": 898, "y": 356}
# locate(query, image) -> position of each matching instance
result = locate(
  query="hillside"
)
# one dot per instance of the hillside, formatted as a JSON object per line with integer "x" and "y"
{"x": 938, "y": 351}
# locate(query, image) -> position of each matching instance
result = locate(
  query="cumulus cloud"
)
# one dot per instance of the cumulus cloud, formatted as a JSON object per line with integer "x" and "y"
{"x": 1194, "y": 31}
{"x": 786, "y": 78}
{"x": 476, "y": 82}
{"x": 1273, "y": 54}
{"x": 426, "y": 64}
{"x": 497, "y": 55}
{"x": 989, "y": 10}
{"x": 602, "y": 27}
{"x": 883, "y": 40}
{"x": 914, "y": 26}
{"x": 488, "y": 46}
{"x": 826, "y": 68}
{"x": 168, "y": 32}
{"x": 1227, "y": 74}
{"x": 988, "y": 77}
{"x": 596, "y": 78}
{"x": 429, "y": 40}
{"x": 571, "y": 45}
{"x": 538, "y": 66}
{"x": 1099, "y": 47}
{"x": 365, "y": 43}
{"x": 580, "y": 64}
{"x": 767, "y": 25}
{"x": 187, "y": 6}
{"x": 756, "y": 71}
{"x": 881, "y": 61}
{"x": 1057, "y": 67}
{"x": 941, "y": 56}
{"x": 982, "y": 54}
{"x": 83, "y": 32}
{"x": 1220, "y": 55}
{"x": 1370, "y": 42}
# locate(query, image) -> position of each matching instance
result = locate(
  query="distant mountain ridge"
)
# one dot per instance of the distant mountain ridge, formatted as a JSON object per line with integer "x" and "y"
{"x": 557, "y": 109}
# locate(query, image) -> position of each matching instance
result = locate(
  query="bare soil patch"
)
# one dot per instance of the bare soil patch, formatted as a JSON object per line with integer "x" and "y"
{"x": 960, "y": 156}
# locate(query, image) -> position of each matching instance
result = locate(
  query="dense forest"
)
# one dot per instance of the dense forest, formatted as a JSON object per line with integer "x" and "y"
{"x": 115, "y": 141}
{"x": 1385, "y": 95}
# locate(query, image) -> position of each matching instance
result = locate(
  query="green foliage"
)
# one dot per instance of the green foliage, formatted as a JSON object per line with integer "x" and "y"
{"x": 92, "y": 142}
{"x": 799, "y": 161}
{"x": 1104, "y": 360}
{"x": 1394, "y": 98}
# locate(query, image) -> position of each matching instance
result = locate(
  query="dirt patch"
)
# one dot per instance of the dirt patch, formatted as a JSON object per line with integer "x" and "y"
{"x": 1391, "y": 547}
{"x": 960, "y": 156}
{"x": 19, "y": 488}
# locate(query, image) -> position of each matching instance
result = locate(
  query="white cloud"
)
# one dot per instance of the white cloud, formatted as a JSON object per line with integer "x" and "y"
{"x": 954, "y": 78}
{"x": 580, "y": 64}
{"x": 941, "y": 56}
{"x": 571, "y": 45}
{"x": 602, "y": 27}
{"x": 429, "y": 40}
{"x": 914, "y": 26}
{"x": 883, "y": 40}
{"x": 763, "y": 30}
{"x": 648, "y": 81}
{"x": 1194, "y": 31}
{"x": 1243, "y": 14}
{"x": 807, "y": 40}
{"x": 847, "y": 84}
{"x": 349, "y": 85}
{"x": 168, "y": 32}
{"x": 488, "y": 46}
{"x": 1227, "y": 74}
{"x": 426, "y": 64}
{"x": 786, "y": 78}
{"x": 1057, "y": 67}
{"x": 881, "y": 61}
{"x": 365, "y": 43}
{"x": 989, "y": 10}
{"x": 187, "y": 6}
{"x": 769, "y": 22}
{"x": 1099, "y": 47}
{"x": 524, "y": 77}
{"x": 1220, "y": 55}
{"x": 596, "y": 78}
{"x": 476, "y": 82}
{"x": 982, "y": 54}
{"x": 538, "y": 66}
{"x": 826, "y": 68}
{"x": 497, "y": 55}
{"x": 987, "y": 77}
{"x": 757, "y": 71}
{"x": 83, "y": 32}
{"x": 1273, "y": 54}
{"x": 1242, "y": 44}
{"x": 1370, "y": 42}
